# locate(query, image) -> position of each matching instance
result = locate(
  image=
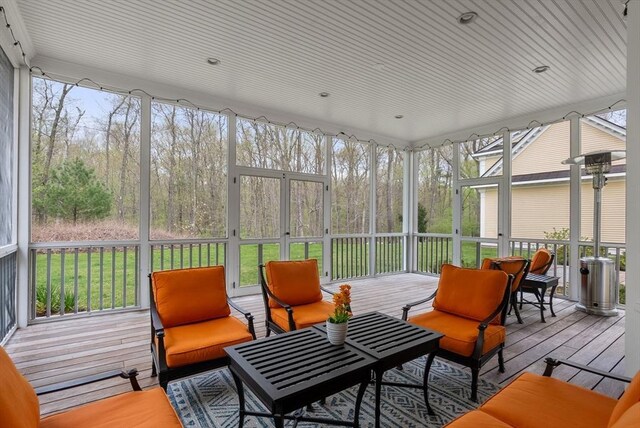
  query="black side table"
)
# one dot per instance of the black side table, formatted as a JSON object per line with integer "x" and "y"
{"x": 538, "y": 284}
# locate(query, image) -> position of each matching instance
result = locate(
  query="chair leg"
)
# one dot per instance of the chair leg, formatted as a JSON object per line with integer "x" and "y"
{"x": 475, "y": 371}
{"x": 154, "y": 371}
{"x": 521, "y": 298}
{"x": 514, "y": 305}
{"x": 268, "y": 332}
{"x": 500, "y": 361}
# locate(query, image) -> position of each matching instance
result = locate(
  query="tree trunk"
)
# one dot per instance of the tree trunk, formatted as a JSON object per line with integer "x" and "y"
{"x": 54, "y": 131}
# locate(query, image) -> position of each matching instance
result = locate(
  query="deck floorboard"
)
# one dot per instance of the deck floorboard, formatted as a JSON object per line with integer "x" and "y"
{"x": 53, "y": 352}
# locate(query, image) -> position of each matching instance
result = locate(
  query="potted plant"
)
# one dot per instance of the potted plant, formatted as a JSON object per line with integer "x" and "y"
{"x": 338, "y": 321}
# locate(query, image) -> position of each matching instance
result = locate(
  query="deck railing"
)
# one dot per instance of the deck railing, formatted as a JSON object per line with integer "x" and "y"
{"x": 79, "y": 278}
{"x": 390, "y": 253}
{"x": 7, "y": 293}
{"x": 350, "y": 257}
{"x": 560, "y": 268}
{"x": 432, "y": 251}
{"x": 187, "y": 254}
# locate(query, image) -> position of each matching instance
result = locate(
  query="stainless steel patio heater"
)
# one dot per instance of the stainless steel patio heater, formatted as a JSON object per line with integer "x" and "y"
{"x": 598, "y": 288}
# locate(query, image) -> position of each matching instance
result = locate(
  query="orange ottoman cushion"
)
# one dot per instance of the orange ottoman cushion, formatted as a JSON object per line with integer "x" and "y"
{"x": 138, "y": 409}
{"x": 19, "y": 406}
{"x": 204, "y": 341}
{"x": 532, "y": 401}
{"x": 477, "y": 419}
{"x": 630, "y": 397}
{"x": 460, "y": 334}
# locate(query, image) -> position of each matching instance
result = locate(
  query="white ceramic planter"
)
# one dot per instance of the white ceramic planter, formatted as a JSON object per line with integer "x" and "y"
{"x": 337, "y": 333}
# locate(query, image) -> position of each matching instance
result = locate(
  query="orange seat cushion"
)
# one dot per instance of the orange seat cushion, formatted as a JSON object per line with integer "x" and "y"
{"x": 532, "y": 401}
{"x": 512, "y": 265}
{"x": 19, "y": 405}
{"x": 186, "y": 296}
{"x": 460, "y": 334}
{"x": 137, "y": 409}
{"x": 630, "y": 397}
{"x": 477, "y": 419}
{"x": 630, "y": 418}
{"x": 540, "y": 260}
{"x": 470, "y": 293}
{"x": 304, "y": 315}
{"x": 204, "y": 341}
{"x": 294, "y": 282}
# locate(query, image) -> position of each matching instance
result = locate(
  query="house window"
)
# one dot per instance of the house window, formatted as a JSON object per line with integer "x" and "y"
{"x": 85, "y": 158}
{"x": 188, "y": 173}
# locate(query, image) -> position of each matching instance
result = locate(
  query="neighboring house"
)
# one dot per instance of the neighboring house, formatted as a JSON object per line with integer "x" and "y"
{"x": 540, "y": 183}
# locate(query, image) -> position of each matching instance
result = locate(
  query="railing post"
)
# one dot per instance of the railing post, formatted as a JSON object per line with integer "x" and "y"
{"x": 574, "y": 211}
{"x": 144, "y": 265}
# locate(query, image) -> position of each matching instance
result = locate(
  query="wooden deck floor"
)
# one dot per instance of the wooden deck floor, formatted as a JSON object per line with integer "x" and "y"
{"x": 53, "y": 352}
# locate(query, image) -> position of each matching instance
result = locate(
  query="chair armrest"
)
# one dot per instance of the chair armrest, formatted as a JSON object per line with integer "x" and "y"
{"x": 278, "y": 301}
{"x": 552, "y": 363}
{"x": 327, "y": 291}
{"x": 246, "y": 314}
{"x": 156, "y": 323}
{"x": 485, "y": 322}
{"x": 235, "y": 306}
{"x": 131, "y": 375}
{"x": 408, "y": 306}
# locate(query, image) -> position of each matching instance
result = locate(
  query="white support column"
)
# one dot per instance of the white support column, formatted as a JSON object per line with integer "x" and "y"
{"x": 575, "y": 184}
{"x": 326, "y": 240}
{"x": 145, "y": 199}
{"x": 410, "y": 208}
{"x": 632, "y": 322}
{"x": 233, "y": 210}
{"x": 373, "y": 207}
{"x": 23, "y": 159}
{"x": 504, "y": 197}
{"x": 457, "y": 206}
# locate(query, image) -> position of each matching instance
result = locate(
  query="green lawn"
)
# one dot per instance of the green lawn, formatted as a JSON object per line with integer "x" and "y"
{"x": 113, "y": 285}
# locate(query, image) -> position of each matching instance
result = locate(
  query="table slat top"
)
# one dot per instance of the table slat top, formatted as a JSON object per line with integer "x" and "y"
{"x": 286, "y": 364}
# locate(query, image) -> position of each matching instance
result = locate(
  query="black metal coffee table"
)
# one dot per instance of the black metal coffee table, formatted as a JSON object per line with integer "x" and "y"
{"x": 291, "y": 370}
{"x": 392, "y": 342}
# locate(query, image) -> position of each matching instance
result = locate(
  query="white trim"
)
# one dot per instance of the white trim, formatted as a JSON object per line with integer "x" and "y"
{"x": 522, "y": 122}
{"x": 117, "y": 81}
{"x": 575, "y": 208}
{"x": 232, "y": 253}
{"x": 144, "y": 219}
{"x": 24, "y": 201}
{"x": 19, "y": 30}
{"x": 632, "y": 322}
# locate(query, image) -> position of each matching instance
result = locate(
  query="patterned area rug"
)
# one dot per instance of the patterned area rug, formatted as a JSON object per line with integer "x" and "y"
{"x": 210, "y": 400}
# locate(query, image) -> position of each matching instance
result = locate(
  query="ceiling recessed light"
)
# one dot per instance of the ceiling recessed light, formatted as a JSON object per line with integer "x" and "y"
{"x": 378, "y": 66}
{"x": 398, "y": 116}
{"x": 541, "y": 69}
{"x": 324, "y": 94}
{"x": 467, "y": 18}
{"x": 213, "y": 61}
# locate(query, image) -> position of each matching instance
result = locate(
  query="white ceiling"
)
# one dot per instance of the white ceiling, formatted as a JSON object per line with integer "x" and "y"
{"x": 280, "y": 54}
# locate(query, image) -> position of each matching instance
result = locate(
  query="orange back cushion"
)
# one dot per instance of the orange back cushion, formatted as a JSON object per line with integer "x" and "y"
{"x": 294, "y": 282}
{"x": 513, "y": 265}
{"x": 540, "y": 260}
{"x": 187, "y": 296}
{"x": 19, "y": 405}
{"x": 470, "y": 293}
{"x": 630, "y": 397}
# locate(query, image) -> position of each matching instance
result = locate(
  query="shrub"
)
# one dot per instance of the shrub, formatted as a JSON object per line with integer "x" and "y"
{"x": 41, "y": 301}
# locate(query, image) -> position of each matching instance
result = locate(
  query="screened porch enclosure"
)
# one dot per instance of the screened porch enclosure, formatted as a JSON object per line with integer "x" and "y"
{"x": 123, "y": 185}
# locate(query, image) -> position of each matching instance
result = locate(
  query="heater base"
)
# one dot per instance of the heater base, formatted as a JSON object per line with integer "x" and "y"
{"x": 597, "y": 311}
